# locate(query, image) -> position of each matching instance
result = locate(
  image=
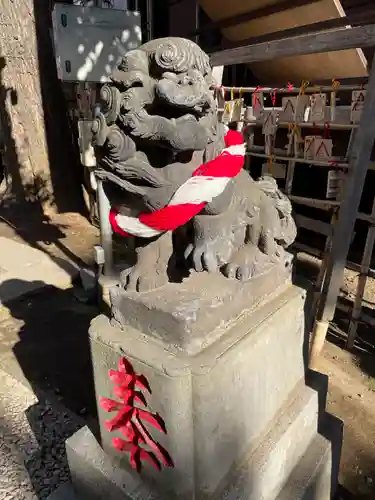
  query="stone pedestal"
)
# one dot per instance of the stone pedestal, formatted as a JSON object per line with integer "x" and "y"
{"x": 241, "y": 421}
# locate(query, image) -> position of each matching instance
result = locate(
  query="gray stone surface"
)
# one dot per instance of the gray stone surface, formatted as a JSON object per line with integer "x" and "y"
{"x": 312, "y": 477}
{"x": 15, "y": 400}
{"x": 291, "y": 462}
{"x": 24, "y": 269}
{"x": 17, "y": 441}
{"x": 218, "y": 403}
{"x": 193, "y": 314}
{"x": 96, "y": 477}
{"x": 64, "y": 492}
{"x": 264, "y": 471}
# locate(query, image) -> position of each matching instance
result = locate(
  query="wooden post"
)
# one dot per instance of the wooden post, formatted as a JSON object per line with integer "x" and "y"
{"x": 290, "y": 177}
{"x": 365, "y": 265}
{"x": 358, "y": 165}
{"x": 328, "y": 246}
{"x": 322, "y": 272}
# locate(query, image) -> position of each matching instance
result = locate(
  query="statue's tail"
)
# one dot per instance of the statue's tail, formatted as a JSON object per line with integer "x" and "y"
{"x": 284, "y": 207}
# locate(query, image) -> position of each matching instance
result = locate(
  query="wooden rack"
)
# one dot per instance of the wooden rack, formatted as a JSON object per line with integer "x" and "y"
{"x": 341, "y": 163}
{"x": 356, "y": 161}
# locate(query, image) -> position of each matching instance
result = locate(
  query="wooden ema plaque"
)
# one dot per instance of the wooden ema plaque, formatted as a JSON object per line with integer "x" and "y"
{"x": 294, "y": 108}
{"x": 258, "y": 104}
{"x": 322, "y": 149}
{"x": 318, "y": 104}
{"x": 358, "y": 101}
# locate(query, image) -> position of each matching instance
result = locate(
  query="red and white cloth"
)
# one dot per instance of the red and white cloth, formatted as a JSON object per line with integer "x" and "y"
{"x": 207, "y": 182}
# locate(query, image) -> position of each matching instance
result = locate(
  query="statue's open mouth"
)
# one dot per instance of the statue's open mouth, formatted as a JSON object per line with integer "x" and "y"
{"x": 167, "y": 110}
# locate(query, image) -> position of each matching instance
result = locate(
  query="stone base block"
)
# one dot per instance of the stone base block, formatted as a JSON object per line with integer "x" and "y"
{"x": 195, "y": 313}
{"x": 64, "y": 492}
{"x": 218, "y": 403}
{"x": 316, "y": 475}
{"x": 96, "y": 476}
{"x": 292, "y": 462}
{"x": 264, "y": 471}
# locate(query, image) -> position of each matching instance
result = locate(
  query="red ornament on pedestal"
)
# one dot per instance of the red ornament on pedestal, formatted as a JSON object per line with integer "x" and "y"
{"x": 130, "y": 419}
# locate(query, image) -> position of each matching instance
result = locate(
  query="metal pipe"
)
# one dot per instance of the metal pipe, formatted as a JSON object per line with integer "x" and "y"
{"x": 105, "y": 229}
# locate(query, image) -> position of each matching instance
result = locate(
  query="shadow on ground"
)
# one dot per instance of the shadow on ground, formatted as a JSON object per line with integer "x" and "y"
{"x": 52, "y": 348}
{"x": 34, "y": 456}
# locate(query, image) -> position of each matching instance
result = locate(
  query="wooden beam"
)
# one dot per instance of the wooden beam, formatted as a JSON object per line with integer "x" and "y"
{"x": 286, "y": 46}
{"x": 174, "y": 2}
{"x": 300, "y": 247}
{"x": 245, "y": 17}
{"x": 359, "y": 17}
{"x": 317, "y": 226}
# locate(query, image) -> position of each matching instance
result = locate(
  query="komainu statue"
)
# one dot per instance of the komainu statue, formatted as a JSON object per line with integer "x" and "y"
{"x": 181, "y": 196}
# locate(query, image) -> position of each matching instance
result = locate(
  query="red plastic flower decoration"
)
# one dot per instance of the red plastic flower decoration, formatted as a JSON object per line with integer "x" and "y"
{"x": 130, "y": 419}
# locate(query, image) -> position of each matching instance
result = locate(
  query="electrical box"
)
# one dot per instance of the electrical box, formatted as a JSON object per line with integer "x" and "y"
{"x": 90, "y": 41}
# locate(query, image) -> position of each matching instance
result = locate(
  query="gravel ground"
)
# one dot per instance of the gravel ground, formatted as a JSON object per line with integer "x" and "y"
{"x": 32, "y": 435}
{"x": 351, "y": 397}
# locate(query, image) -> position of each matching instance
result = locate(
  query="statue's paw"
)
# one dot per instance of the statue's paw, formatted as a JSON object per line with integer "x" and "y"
{"x": 138, "y": 279}
{"x": 244, "y": 265}
{"x": 241, "y": 272}
{"x": 208, "y": 256}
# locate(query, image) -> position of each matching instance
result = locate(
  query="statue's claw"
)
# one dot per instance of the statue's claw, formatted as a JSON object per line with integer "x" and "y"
{"x": 208, "y": 256}
{"x": 245, "y": 264}
{"x": 239, "y": 272}
{"x": 137, "y": 279}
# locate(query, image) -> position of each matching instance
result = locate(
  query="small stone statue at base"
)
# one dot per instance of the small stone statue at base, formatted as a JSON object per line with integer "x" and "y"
{"x": 176, "y": 173}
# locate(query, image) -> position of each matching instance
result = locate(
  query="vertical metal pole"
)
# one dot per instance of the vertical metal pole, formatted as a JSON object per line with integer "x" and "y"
{"x": 105, "y": 229}
{"x": 358, "y": 165}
